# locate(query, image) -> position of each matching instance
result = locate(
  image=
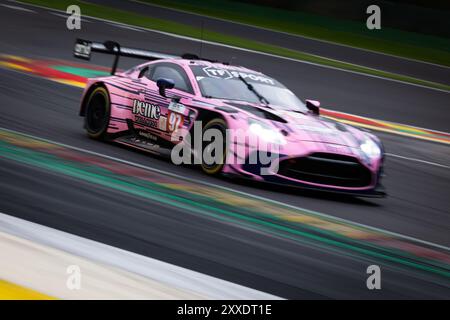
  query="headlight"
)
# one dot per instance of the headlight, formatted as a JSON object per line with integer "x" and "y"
{"x": 265, "y": 132}
{"x": 371, "y": 149}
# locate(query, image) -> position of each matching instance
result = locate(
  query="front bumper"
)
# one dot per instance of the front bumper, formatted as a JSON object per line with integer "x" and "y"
{"x": 346, "y": 176}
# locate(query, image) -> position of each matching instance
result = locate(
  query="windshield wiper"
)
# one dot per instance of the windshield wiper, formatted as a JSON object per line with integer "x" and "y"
{"x": 257, "y": 94}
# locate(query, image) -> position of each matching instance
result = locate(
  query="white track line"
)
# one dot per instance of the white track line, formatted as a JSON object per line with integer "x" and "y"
{"x": 117, "y": 25}
{"x": 254, "y": 51}
{"x": 288, "y": 33}
{"x": 65, "y": 16}
{"x": 165, "y": 273}
{"x": 243, "y": 193}
{"x": 17, "y": 8}
{"x": 418, "y": 160}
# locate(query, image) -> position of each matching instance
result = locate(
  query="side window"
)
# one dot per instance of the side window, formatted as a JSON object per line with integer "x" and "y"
{"x": 144, "y": 71}
{"x": 174, "y": 72}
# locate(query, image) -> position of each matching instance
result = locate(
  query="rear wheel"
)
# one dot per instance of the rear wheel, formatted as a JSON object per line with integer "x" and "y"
{"x": 97, "y": 113}
{"x": 219, "y": 159}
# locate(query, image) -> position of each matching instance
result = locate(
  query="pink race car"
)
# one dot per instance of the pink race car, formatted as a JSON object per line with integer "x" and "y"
{"x": 228, "y": 119}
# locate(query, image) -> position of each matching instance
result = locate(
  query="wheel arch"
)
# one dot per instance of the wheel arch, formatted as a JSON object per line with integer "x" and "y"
{"x": 206, "y": 115}
{"x": 88, "y": 92}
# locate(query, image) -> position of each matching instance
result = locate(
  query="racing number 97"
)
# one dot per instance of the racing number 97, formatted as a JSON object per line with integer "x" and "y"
{"x": 175, "y": 119}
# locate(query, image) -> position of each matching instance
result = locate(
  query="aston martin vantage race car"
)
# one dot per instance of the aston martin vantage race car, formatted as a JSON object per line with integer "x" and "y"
{"x": 229, "y": 120}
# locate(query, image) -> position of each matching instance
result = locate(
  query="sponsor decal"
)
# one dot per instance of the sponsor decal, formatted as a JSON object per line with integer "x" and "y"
{"x": 162, "y": 125}
{"x": 148, "y": 135}
{"x": 177, "y": 107}
{"x": 146, "y": 109}
{"x": 225, "y": 74}
{"x": 176, "y": 120}
{"x": 146, "y": 113}
{"x": 146, "y": 121}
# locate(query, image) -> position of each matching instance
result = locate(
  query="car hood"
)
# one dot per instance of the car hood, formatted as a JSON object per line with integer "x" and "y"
{"x": 309, "y": 127}
{"x": 305, "y": 127}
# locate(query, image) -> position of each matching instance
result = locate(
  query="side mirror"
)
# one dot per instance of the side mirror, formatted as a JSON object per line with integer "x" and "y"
{"x": 313, "y": 106}
{"x": 164, "y": 84}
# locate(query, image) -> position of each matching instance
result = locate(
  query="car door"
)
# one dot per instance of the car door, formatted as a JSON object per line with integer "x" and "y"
{"x": 163, "y": 115}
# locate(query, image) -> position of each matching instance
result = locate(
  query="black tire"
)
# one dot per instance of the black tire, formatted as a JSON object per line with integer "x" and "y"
{"x": 97, "y": 115}
{"x": 215, "y": 168}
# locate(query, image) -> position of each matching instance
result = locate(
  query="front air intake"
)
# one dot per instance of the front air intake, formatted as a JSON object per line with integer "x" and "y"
{"x": 327, "y": 169}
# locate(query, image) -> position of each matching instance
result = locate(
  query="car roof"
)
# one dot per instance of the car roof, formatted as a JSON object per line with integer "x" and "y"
{"x": 205, "y": 63}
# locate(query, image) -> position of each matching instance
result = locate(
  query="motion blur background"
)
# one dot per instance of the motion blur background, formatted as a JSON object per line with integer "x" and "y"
{"x": 140, "y": 227}
{"x": 429, "y": 17}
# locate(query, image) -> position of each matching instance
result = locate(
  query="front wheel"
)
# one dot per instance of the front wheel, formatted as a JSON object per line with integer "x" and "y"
{"x": 213, "y": 159}
{"x": 98, "y": 110}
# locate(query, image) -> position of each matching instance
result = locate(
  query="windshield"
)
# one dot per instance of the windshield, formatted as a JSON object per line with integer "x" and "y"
{"x": 225, "y": 84}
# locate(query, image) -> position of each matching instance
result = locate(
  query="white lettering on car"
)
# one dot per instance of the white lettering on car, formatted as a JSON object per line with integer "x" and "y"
{"x": 146, "y": 109}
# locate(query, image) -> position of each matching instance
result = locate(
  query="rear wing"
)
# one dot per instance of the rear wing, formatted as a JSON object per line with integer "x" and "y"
{"x": 84, "y": 48}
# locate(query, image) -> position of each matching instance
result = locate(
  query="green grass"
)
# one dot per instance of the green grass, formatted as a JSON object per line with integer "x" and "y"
{"x": 104, "y": 12}
{"x": 401, "y": 43}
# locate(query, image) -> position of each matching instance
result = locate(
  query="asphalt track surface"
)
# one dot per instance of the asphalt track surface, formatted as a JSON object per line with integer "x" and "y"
{"x": 417, "y": 206}
{"x": 367, "y": 58}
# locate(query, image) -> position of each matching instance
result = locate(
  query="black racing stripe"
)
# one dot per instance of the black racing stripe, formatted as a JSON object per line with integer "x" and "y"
{"x": 164, "y": 104}
{"x": 118, "y": 95}
{"x": 151, "y": 128}
{"x": 129, "y": 85}
{"x": 122, "y": 106}
{"x": 155, "y": 92}
{"x": 138, "y": 83}
{"x": 156, "y": 99}
{"x": 124, "y": 89}
{"x": 147, "y": 90}
{"x": 118, "y": 119}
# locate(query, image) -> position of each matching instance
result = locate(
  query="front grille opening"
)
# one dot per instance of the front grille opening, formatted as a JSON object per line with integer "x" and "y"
{"x": 328, "y": 169}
